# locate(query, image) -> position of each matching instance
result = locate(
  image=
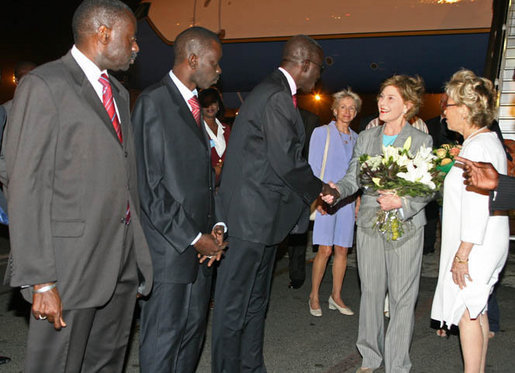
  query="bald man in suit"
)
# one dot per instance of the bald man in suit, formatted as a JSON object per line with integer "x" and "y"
{"x": 77, "y": 247}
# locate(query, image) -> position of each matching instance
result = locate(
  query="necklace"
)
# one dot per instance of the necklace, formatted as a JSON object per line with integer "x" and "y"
{"x": 344, "y": 137}
{"x": 474, "y": 133}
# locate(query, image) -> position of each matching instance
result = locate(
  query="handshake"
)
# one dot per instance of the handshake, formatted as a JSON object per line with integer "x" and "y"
{"x": 329, "y": 193}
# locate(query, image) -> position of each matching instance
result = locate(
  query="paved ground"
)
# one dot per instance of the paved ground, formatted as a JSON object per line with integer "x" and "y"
{"x": 297, "y": 342}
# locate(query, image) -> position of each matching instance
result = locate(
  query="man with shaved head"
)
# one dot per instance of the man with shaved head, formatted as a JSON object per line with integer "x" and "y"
{"x": 266, "y": 185}
{"x": 176, "y": 192}
{"x": 77, "y": 247}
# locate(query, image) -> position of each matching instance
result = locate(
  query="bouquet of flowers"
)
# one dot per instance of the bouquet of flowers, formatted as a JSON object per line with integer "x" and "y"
{"x": 445, "y": 156}
{"x": 402, "y": 173}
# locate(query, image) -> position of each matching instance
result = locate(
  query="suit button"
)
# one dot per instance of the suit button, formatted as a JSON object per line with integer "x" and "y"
{"x": 126, "y": 154}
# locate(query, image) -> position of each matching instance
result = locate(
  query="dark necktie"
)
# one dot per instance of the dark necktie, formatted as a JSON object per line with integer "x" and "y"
{"x": 195, "y": 109}
{"x": 294, "y": 98}
{"x": 107, "y": 100}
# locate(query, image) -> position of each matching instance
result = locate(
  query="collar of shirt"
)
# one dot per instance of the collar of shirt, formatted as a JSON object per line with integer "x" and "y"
{"x": 91, "y": 70}
{"x": 218, "y": 139}
{"x": 185, "y": 91}
{"x": 291, "y": 82}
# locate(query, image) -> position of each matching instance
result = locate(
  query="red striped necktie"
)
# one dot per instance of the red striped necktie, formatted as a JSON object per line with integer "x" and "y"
{"x": 195, "y": 108}
{"x": 107, "y": 100}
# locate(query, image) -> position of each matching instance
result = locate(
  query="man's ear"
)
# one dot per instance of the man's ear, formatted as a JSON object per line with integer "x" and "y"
{"x": 104, "y": 34}
{"x": 305, "y": 66}
{"x": 193, "y": 61}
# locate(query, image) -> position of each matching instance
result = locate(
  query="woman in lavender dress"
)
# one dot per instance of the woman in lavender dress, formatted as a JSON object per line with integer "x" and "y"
{"x": 337, "y": 227}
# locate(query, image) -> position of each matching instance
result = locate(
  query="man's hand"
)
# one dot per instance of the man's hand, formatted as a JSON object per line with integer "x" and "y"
{"x": 218, "y": 233}
{"x": 479, "y": 174}
{"x": 329, "y": 193}
{"x": 48, "y": 306}
{"x": 207, "y": 245}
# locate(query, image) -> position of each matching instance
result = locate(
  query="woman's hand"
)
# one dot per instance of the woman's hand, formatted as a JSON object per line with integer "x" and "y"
{"x": 460, "y": 265}
{"x": 388, "y": 200}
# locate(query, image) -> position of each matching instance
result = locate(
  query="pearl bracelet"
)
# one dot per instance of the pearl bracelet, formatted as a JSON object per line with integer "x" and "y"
{"x": 459, "y": 260}
{"x": 44, "y": 289}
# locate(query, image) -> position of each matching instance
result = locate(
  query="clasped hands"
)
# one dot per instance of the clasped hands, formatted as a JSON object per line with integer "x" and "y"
{"x": 387, "y": 200}
{"x": 211, "y": 245}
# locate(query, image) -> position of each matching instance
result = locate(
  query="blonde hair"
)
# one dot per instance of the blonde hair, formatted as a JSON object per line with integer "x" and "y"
{"x": 411, "y": 89}
{"x": 477, "y": 94}
{"x": 346, "y": 93}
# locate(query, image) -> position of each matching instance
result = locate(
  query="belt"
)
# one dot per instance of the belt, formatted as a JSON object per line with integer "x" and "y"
{"x": 499, "y": 213}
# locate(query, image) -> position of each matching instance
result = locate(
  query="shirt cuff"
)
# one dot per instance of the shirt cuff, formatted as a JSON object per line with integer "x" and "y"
{"x": 223, "y": 224}
{"x": 196, "y": 239}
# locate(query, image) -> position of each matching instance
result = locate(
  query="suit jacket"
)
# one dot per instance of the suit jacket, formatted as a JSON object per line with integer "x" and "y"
{"x": 176, "y": 188}
{"x": 266, "y": 182}
{"x": 69, "y": 183}
{"x": 371, "y": 142}
{"x": 504, "y": 197}
{"x": 3, "y": 172}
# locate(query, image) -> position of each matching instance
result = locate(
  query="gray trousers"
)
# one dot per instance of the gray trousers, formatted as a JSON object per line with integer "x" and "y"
{"x": 95, "y": 339}
{"x": 393, "y": 267}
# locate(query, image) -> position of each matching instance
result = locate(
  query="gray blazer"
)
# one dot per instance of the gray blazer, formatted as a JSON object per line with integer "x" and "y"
{"x": 371, "y": 142}
{"x": 69, "y": 183}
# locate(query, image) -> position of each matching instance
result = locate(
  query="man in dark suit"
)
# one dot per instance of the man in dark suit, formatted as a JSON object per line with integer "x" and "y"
{"x": 176, "y": 192}
{"x": 76, "y": 241}
{"x": 297, "y": 240}
{"x": 266, "y": 184}
{"x": 484, "y": 176}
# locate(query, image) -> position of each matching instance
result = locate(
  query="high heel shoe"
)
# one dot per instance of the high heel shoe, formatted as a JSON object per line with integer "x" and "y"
{"x": 317, "y": 312}
{"x": 344, "y": 310}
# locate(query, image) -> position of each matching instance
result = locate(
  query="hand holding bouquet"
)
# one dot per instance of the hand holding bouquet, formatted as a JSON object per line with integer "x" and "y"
{"x": 403, "y": 174}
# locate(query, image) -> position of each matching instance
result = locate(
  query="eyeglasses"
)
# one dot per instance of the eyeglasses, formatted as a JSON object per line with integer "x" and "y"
{"x": 447, "y": 105}
{"x": 322, "y": 67}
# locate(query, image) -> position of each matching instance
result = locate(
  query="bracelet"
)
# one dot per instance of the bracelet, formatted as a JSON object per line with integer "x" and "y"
{"x": 459, "y": 260}
{"x": 44, "y": 289}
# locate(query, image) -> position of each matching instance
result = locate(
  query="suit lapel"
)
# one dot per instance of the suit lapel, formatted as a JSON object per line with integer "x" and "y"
{"x": 184, "y": 110}
{"x": 299, "y": 124}
{"x": 122, "y": 106}
{"x": 403, "y": 136}
{"x": 90, "y": 96}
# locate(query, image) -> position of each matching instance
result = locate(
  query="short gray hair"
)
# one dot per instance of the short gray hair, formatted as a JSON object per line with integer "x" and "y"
{"x": 346, "y": 93}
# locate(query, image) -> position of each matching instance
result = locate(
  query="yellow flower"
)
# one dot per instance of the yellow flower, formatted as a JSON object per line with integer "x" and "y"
{"x": 377, "y": 181}
{"x": 440, "y": 153}
{"x": 445, "y": 161}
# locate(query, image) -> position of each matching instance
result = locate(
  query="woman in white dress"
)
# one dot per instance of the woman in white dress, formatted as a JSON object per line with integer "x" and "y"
{"x": 474, "y": 242}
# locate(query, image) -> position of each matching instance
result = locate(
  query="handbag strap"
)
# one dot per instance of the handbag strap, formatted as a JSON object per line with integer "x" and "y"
{"x": 324, "y": 161}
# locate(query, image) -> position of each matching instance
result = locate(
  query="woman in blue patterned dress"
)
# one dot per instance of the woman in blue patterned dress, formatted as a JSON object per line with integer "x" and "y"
{"x": 335, "y": 228}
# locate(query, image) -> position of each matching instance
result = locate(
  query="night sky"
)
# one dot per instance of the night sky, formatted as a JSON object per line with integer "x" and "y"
{"x": 34, "y": 30}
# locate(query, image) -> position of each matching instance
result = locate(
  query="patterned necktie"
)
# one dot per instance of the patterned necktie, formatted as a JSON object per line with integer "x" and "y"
{"x": 195, "y": 109}
{"x": 107, "y": 99}
{"x": 294, "y": 98}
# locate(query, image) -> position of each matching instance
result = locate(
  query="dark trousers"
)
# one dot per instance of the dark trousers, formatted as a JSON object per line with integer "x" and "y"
{"x": 241, "y": 300}
{"x": 432, "y": 215}
{"x": 297, "y": 257}
{"x": 173, "y": 326}
{"x": 494, "y": 314}
{"x": 95, "y": 339}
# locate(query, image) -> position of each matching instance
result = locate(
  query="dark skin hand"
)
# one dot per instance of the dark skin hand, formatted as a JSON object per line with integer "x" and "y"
{"x": 48, "y": 304}
{"x": 479, "y": 174}
{"x": 328, "y": 190}
{"x": 211, "y": 246}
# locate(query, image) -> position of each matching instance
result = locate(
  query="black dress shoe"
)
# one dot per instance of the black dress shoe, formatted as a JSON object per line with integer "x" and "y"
{"x": 295, "y": 284}
{"x": 4, "y": 360}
